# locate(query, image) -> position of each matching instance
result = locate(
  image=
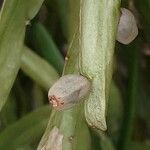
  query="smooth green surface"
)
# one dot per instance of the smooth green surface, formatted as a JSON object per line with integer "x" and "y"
{"x": 63, "y": 13}
{"x": 132, "y": 96}
{"x": 114, "y": 112}
{"x": 8, "y": 113}
{"x": 144, "y": 17}
{"x": 13, "y": 18}
{"x": 144, "y": 145}
{"x": 106, "y": 143}
{"x": 73, "y": 24}
{"x": 38, "y": 69}
{"x": 44, "y": 44}
{"x": 26, "y": 130}
{"x": 98, "y": 24}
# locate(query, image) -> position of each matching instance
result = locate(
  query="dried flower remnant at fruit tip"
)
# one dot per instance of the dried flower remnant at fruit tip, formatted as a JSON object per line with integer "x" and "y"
{"x": 68, "y": 90}
{"x": 127, "y": 27}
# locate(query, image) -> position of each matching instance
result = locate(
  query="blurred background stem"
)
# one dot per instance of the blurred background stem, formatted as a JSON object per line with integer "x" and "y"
{"x": 132, "y": 95}
{"x": 45, "y": 46}
{"x": 38, "y": 69}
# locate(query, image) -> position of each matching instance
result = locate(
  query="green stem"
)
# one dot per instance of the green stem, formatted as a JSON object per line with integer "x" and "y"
{"x": 8, "y": 114}
{"x": 98, "y": 26}
{"x": 44, "y": 44}
{"x": 62, "y": 9}
{"x": 131, "y": 100}
{"x": 143, "y": 7}
{"x": 38, "y": 69}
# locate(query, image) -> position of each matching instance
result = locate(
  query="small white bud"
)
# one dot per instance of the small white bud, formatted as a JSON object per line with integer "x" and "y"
{"x": 127, "y": 27}
{"x": 68, "y": 90}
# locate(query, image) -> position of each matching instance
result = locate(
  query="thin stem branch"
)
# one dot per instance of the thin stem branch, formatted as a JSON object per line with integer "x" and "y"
{"x": 38, "y": 69}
